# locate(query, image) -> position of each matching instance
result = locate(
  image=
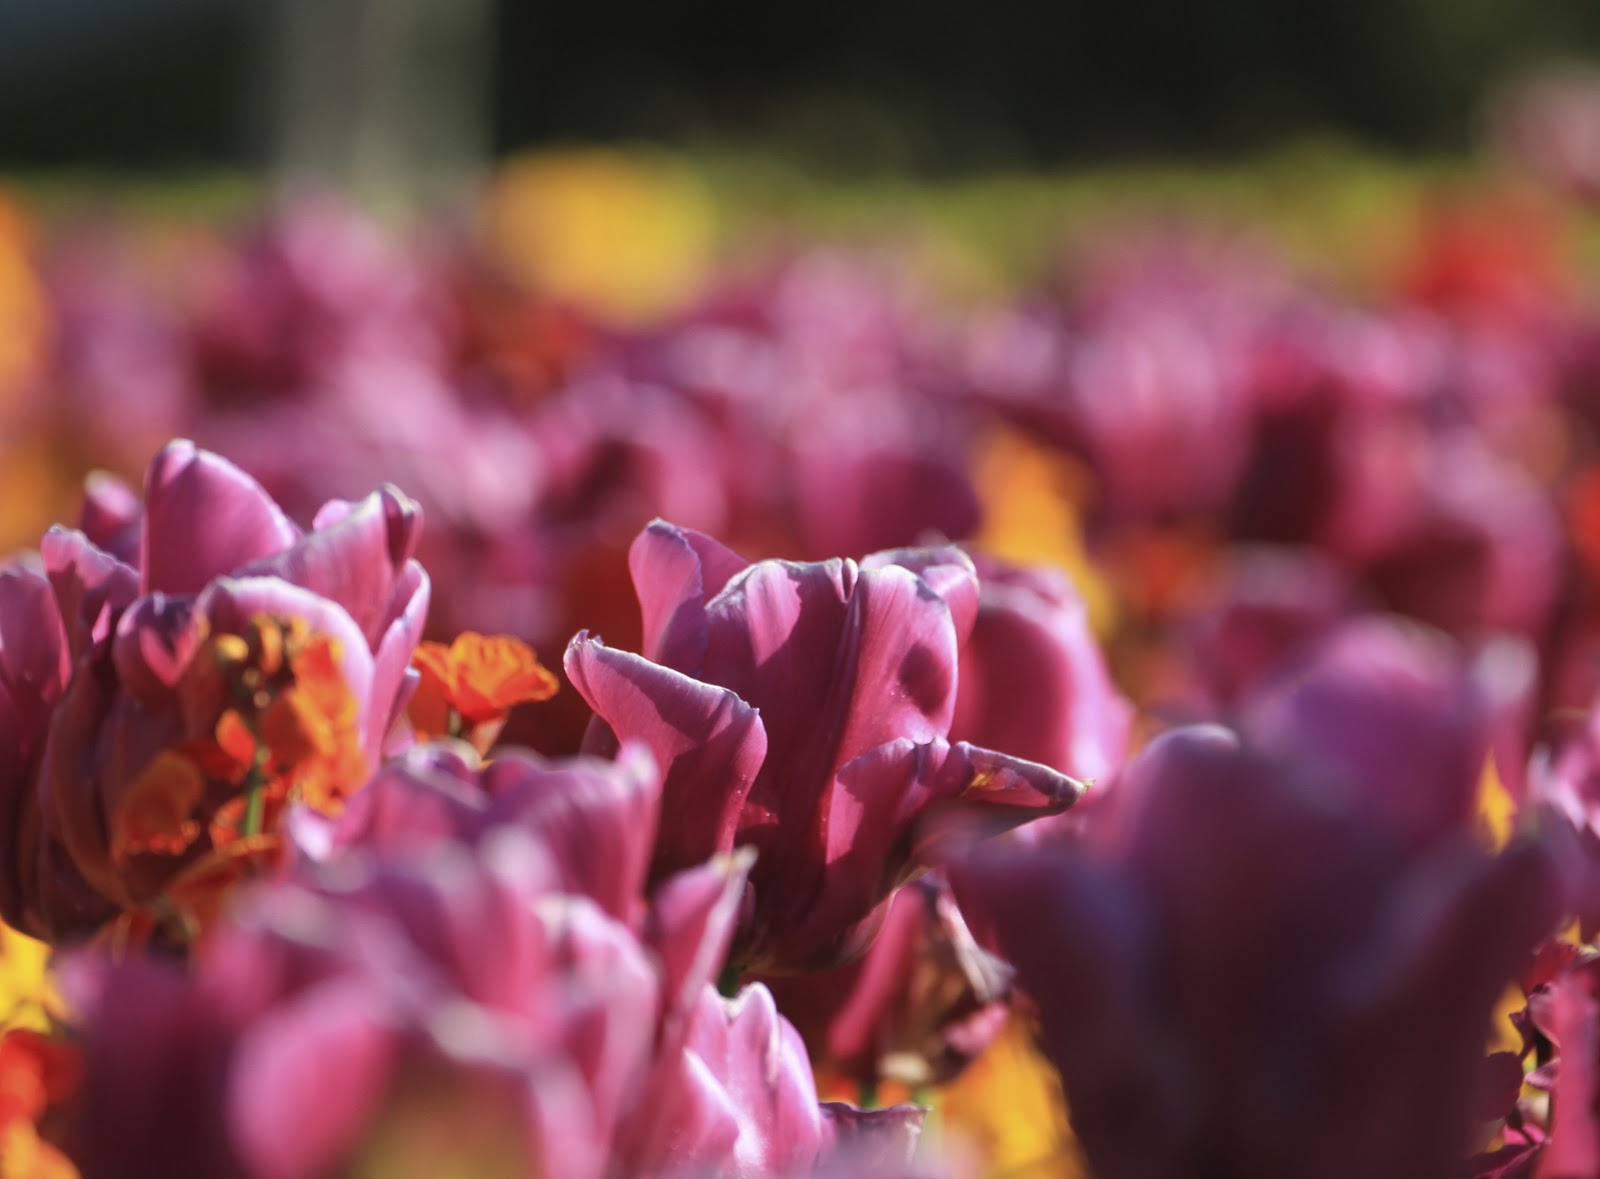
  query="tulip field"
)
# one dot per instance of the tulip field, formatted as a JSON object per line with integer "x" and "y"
{"x": 657, "y": 671}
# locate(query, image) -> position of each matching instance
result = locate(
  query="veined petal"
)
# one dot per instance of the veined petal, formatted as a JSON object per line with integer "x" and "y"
{"x": 91, "y": 587}
{"x": 204, "y": 518}
{"x": 598, "y": 818}
{"x": 709, "y": 743}
{"x": 676, "y": 571}
{"x": 357, "y": 560}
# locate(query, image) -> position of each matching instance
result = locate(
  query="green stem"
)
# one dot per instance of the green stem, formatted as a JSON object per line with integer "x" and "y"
{"x": 728, "y": 980}
{"x": 255, "y": 797}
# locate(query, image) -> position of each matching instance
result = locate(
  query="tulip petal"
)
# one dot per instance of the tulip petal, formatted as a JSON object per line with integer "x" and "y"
{"x": 598, "y": 818}
{"x": 204, "y": 518}
{"x": 949, "y": 572}
{"x": 609, "y": 999}
{"x": 871, "y": 1139}
{"x": 708, "y": 741}
{"x": 154, "y": 642}
{"x": 690, "y": 925}
{"x": 307, "y": 1078}
{"x": 899, "y": 809}
{"x": 356, "y": 560}
{"x": 91, "y": 587}
{"x": 676, "y": 571}
{"x": 1390, "y": 713}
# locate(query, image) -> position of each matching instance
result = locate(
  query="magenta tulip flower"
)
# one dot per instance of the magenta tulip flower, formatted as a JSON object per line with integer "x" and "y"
{"x": 1389, "y": 716}
{"x": 1259, "y": 950}
{"x": 34, "y": 669}
{"x": 1033, "y": 681}
{"x": 802, "y": 710}
{"x": 237, "y": 664}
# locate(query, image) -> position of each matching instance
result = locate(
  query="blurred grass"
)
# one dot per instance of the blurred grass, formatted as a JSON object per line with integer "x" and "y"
{"x": 1336, "y": 210}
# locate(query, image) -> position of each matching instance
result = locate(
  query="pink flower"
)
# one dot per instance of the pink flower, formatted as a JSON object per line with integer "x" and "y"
{"x": 234, "y": 663}
{"x": 1033, "y": 680}
{"x": 802, "y": 710}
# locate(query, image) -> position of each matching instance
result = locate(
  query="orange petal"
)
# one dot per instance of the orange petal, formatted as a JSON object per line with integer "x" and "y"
{"x": 493, "y": 673}
{"x": 235, "y": 739}
{"x": 434, "y": 661}
{"x": 429, "y": 710}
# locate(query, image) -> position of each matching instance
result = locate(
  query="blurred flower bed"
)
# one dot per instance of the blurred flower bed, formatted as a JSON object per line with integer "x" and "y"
{"x": 685, "y": 671}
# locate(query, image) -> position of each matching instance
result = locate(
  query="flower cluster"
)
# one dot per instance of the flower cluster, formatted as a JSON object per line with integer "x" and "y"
{"x": 1147, "y": 718}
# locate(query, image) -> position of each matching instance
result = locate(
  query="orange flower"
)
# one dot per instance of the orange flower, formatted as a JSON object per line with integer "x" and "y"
{"x": 284, "y": 727}
{"x": 37, "y": 1073}
{"x": 467, "y": 688}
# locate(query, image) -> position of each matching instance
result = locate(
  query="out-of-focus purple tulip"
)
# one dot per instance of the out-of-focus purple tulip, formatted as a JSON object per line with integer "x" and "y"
{"x": 310, "y": 286}
{"x": 191, "y": 653}
{"x": 460, "y": 983}
{"x": 1157, "y": 350}
{"x": 1032, "y": 679}
{"x": 1268, "y": 605}
{"x": 1444, "y": 530}
{"x": 1563, "y": 786}
{"x": 1391, "y": 717}
{"x": 802, "y": 709}
{"x": 1257, "y": 950}
{"x": 874, "y": 471}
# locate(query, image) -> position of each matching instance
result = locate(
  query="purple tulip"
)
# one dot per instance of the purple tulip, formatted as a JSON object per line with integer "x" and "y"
{"x": 149, "y": 680}
{"x": 802, "y": 710}
{"x": 34, "y": 670}
{"x": 1033, "y": 681}
{"x": 1390, "y": 716}
{"x": 1269, "y": 605}
{"x": 1563, "y": 788}
{"x": 1261, "y": 978}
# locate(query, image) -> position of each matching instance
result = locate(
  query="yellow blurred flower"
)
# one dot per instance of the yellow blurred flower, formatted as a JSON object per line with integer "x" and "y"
{"x": 27, "y": 994}
{"x": 1497, "y": 810}
{"x": 1032, "y": 501}
{"x": 24, "y": 1155}
{"x": 626, "y": 237}
{"x": 24, "y": 322}
{"x": 1006, "y": 1111}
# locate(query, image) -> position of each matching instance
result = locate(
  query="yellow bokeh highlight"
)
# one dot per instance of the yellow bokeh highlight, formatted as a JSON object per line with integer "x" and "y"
{"x": 626, "y": 237}
{"x": 1032, "y": 500}
{"x": 24, "y": 1155}
{"x": 1007, "y": 1113}
{"x": 28, "y": 997}
{"x": 1497, "y": 810}
{"x": 24, "y": 321}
